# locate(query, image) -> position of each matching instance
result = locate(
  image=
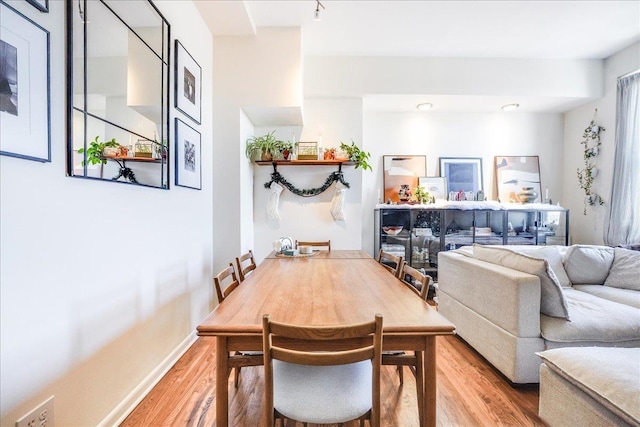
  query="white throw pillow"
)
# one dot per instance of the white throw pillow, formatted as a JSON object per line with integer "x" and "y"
{"x": 552, "y": 302}
{"x": 625, "y": 270}
{"x": 553, "y": 257}
{"x": 588, "y": 264}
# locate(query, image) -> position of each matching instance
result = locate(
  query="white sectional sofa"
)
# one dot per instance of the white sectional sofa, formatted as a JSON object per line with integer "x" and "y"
{"x": 511, "y": 302}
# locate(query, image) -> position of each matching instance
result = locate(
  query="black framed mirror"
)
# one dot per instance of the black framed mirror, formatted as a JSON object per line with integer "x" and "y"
{"x": 118, "y": 91}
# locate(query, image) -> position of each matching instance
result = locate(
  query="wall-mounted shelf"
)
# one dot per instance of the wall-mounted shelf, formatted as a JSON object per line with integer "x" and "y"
{"x": 304, "y": 163}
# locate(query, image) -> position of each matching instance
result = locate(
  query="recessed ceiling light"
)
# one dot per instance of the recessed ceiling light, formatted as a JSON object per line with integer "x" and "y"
{"x": 510, "y": 107}
{"x": 424, "y": 106}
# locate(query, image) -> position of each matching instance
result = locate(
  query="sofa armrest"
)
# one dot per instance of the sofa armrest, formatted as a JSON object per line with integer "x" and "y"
{"x": 508, "y": 298}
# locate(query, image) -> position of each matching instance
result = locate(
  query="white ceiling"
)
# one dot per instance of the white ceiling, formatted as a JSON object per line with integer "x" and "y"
{"x": 464, "y": 29}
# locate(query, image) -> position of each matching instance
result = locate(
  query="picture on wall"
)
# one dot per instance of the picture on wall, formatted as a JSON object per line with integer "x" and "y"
{"x": 435, "y": 185}
{"x": 188, "y": 156}
{"x": 513, "y": 173}
{"x": 24, "y": 87}
{"x": 41, "y": 5}
{"x": 399, "y": 171}
{"x": 188, "y": 83}
{"x": 462, "y": 173}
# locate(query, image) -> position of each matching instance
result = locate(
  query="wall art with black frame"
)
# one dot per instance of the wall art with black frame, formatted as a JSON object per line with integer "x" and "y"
{"x": 188, "y": 84}
{"x": 41, "y": 5}
{"x": 188, "y": 156}
{"x": 24, "y": 87}
{"x": 462, "y": 173}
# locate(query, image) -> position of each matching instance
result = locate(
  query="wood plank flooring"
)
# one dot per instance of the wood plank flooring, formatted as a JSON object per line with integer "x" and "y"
{"x": 470, "y": 393}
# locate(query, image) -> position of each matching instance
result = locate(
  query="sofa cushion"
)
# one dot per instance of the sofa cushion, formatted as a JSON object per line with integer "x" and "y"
{"x": 552, "y": 302}
{"x": 588, "y": 264}
{"x": 625, "y": 270}
{"x": 611, "y": 376}
{"x": 623, "y": 296}
{"x": 593, "y": 321}
{"x": 553, "y": 257}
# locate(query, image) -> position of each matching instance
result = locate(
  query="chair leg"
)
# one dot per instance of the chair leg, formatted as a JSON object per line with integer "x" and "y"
{"x": 236, "y": 378}
{"x": 401, "y": 374}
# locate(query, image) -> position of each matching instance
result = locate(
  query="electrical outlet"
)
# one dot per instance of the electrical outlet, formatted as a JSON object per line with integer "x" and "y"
{"x": 42, "y": 416}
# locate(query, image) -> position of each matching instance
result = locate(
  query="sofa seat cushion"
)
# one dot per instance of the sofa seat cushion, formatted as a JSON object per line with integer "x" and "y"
{"x": 588, "y": 264}
{"x": 611, "y": 376}
{"x": 625, "y": 270}
{"x": 623, "y": 296}
{"x": 593, "y": 320}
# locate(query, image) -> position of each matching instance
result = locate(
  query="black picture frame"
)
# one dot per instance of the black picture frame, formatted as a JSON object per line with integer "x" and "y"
{"x": 188, "y": 83}
{"x": 41, "y": 5}
{"x": 25, "y": 94}
{"x": 188, "y": 155}
{"x": 462, "y": 173}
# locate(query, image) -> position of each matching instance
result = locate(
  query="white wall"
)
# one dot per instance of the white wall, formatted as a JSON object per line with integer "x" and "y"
{"x": 102, "y": 284}
{"x": 589, "y": 228}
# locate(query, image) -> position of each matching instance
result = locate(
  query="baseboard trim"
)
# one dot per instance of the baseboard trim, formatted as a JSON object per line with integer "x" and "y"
{"x": 124, "y": 408}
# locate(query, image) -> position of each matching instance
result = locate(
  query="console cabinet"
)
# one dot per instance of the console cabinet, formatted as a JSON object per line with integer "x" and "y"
{"x": 419, "y": 232}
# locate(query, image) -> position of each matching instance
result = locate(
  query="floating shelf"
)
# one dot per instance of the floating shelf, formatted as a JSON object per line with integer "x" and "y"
{"x": 304, "y": 163}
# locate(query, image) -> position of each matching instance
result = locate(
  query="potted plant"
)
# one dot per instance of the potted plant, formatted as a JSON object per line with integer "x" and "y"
{"x": 285, "y": 147}
{"x": 422, "y": 195}
{"x": 266, "y": 145}
{"x": 95, "y": 152}
{"x": 356, "y": 155}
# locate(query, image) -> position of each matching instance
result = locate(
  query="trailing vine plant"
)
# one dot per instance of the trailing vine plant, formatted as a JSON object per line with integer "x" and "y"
{"x": 586, "y": 176}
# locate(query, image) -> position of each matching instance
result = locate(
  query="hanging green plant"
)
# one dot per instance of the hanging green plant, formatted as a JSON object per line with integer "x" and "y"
{"x": 95, "y": 151}
{"x": 356, "y": 155}
{"x": 586, "y": 176}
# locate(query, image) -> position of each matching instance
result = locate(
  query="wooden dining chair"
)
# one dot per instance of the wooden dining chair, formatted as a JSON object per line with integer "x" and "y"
{"x": 245, "y": 268}
{"x": 391, "y": 262}
{"x": 322, "y": 374}
{"x": 325, "y": 244}
{"x": 223, "y": 290}
{"x": 412, "y": 279}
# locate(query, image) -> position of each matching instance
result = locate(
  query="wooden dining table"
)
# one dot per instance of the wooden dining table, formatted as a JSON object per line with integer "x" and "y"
{"x": 329, "y": 288}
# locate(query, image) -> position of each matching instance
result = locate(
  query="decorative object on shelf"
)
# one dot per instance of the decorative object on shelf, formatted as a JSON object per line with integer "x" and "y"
{"x": 266, "y": 145}
{"x": 337, "y": 203}
{"x": 143, "y": 148}
{"x": 188, "y": 83}
{"x": 24, "y": 87}
{"x": 95, "y": 153}
{"x": 480, "y": 196}
{"x": 274, "y": 201}
{"x": 330, "y": 154}
{"x": 333, "y": 177}
{"x": 527, "y": 195}
{"x": 515, "y": 172}
{"x": 307, "y": 150}
{"x": 401, "y": 170}
{"x": 188, "y": 156}
{"x": 392, "y": 230}
{"x": 404, "y": 194}
{"x": 591, "y": 143}
{"x": 462, "y": 173}
{"x": 436, "y": 186}
{"x": 356, "y": 155}
{"x": 285, "y": 148}
{"x": 422, "y": 195}
{"x": 41, "y": 5}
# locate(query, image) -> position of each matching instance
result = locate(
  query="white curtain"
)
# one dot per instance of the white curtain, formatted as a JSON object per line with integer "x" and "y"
{"x": 622, "y": 224}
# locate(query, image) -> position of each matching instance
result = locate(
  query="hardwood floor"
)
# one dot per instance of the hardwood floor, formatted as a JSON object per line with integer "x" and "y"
{"x": 470, "y": 393}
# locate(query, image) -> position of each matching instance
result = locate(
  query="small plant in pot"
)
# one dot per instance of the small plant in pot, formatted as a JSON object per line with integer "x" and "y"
{"x": 95, "y": 151}
{"x": 285, "y": 148}
{"x": 266, "y": 145}
{"x": 356, "y": 155}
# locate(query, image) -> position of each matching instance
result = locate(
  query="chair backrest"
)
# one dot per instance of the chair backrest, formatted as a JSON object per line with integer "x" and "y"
{"x": 386, "y": 259}
{"x": 417, "y": 276}
{"x": 326, "y": 244}
{"x": 332, "y": 345}
{"x": 223, "y": 290}
{"x": 243, "y": 271}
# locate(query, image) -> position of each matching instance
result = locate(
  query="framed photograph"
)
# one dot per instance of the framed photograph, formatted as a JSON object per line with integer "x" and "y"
{"x": 513, "y": 173}
{"x": 435, "y": 185}
{"x": 41, "y": 5}
{"x": 462, "y": 173}
{"x": 188, "y": 85}
{"x": 401, "y": 170}
{"x": 24, "y": 87}
{"x": 188, "y": 156}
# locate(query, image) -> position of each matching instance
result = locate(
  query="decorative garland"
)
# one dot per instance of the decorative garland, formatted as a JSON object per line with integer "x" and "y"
{"x": 587, "y": 175}
{"x": 333, "y": 177}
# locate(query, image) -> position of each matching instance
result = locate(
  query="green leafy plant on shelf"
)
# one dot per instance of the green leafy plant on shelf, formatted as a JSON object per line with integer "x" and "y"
{"x": 266, "y": 146}
{"x": 95, "y": 151}
{"x": 422, "y": 195}
{"x": 356, "y": 155}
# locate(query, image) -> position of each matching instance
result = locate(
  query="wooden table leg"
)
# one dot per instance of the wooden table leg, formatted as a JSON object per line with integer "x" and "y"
{"x": 420, "y": 385}
{"x": 430, "y": 390}
{"x": 222, "y": 387}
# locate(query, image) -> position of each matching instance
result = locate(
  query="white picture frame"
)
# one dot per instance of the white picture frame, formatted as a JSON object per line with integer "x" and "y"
{"x": 435, "y": 185}
{"x": 188, "y": 156}
{"x": 25, "y": 111}
{"x": 188, "y": 84}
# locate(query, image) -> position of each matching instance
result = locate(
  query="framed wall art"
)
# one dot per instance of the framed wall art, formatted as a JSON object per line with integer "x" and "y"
{"x": 188, "y": 84}
{"x": 401, "y": 170}
{"x": 462, "y": 173}
{"x": 41, "y": 5}
{"x": 435, "y": 185}
{"x": 513, "y": 173}
{"x": 188, "y": 156}
{"x": 24, "y": 87}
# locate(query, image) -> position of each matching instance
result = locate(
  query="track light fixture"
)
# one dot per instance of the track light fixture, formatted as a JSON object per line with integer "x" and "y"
{"x": 510, "y": 107}
{"x": 316, "y": 15}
